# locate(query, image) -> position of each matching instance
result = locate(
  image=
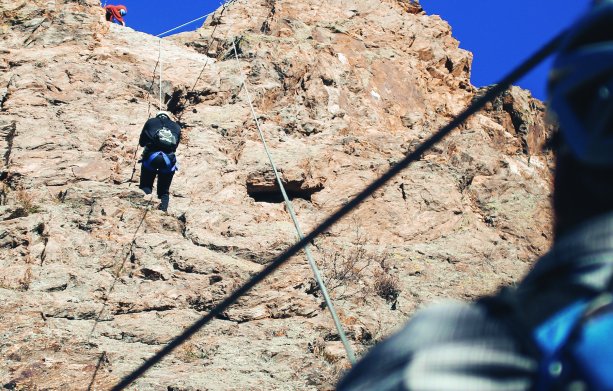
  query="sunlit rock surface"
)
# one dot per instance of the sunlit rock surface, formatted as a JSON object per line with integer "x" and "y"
{"x": 92, "y": 282}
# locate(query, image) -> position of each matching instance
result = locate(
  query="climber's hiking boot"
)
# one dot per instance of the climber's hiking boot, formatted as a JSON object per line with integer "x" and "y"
{"x": 164, "y": 203}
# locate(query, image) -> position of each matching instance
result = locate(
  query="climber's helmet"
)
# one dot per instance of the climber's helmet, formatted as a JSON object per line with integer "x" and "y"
{"x": 122, "y": 12}
{"x": 163, "y": 114}
{"x": 580, "y": 88}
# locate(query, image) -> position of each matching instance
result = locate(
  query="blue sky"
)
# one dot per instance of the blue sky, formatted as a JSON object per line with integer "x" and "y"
{"x": 501, "y": 34}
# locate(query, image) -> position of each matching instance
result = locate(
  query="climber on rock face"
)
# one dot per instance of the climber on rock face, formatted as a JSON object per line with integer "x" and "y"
{"x": 160, "y": 137}
{"x": 115, "y": 13}
{"x": 552, "y": 331}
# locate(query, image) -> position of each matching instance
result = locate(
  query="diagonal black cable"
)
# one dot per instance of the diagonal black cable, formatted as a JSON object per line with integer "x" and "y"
{"x": 498, "y": 89}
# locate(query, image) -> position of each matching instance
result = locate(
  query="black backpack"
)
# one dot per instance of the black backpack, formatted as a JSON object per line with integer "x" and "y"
{"x": 165, "y": 140}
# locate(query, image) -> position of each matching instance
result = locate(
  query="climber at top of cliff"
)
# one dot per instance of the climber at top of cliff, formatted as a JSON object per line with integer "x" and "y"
{"x": 115, "y": 13}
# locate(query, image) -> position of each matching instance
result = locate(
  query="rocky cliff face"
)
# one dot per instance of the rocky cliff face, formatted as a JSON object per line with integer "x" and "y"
{"x": 92, "y": 281}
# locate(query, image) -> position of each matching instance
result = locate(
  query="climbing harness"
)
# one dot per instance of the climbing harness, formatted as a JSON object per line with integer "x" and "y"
{"x": 477, "y": 104}
{"x": 290, "y": 209}
{"x": 169, "y": 166}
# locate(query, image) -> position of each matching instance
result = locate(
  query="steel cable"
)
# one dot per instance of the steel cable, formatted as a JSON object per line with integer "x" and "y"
{"x": 292, "y": 213}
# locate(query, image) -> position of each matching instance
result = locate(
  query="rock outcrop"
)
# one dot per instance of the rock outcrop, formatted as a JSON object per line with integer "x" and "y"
{"x": 93, "y": 281}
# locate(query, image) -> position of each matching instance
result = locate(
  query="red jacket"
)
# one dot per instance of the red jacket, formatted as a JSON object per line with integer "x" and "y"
{"x": 113, "y": 11}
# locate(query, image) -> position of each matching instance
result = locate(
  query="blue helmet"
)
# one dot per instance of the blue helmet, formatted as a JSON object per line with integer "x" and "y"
{"x": 123, "y": 12}
{"x": 580, "y": 87}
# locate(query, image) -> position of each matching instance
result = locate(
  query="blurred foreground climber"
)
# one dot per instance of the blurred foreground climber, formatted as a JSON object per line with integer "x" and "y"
{"x": 115, "y": 13}
{"x": 554, "y": 331}
{"x": 160, "y": 137}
